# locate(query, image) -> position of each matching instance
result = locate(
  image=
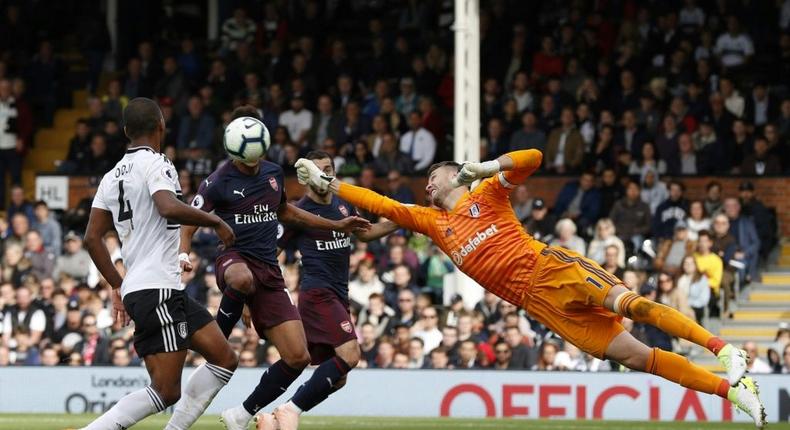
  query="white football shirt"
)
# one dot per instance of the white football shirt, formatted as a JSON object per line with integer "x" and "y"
{"x": 149, "y": 241}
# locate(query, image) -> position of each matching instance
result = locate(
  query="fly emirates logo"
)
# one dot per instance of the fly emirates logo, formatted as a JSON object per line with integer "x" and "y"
{"x": 473, "y": 243}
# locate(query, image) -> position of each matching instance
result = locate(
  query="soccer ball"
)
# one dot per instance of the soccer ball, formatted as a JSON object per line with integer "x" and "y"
{"x": 246, "y": 139}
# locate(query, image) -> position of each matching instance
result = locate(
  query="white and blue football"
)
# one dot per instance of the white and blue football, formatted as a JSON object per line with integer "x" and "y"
{"x": 246, "y": 139}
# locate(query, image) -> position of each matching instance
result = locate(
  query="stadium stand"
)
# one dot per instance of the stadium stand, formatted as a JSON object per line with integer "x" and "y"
{"x": 659, "y": 122}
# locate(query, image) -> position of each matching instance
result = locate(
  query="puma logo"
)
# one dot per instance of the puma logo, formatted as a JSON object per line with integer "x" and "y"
{"x": 207, "y": 182}
{"x": 241, "y": 193}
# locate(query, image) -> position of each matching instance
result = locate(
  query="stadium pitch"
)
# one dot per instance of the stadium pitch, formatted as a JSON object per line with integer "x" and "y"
{"x": 211, "y": 422}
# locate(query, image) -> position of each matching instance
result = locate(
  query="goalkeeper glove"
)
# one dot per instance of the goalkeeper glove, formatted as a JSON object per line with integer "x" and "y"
{"x": 471, "y": 172}
{"x": 307, "y": 173}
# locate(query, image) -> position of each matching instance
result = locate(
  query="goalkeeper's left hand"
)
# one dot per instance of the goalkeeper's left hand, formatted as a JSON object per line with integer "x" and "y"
{"x": 471, "y": 172}
{"x": 307, "y": 173}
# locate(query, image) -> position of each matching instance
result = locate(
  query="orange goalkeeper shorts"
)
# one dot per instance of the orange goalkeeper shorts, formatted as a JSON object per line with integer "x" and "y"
{"x": 567, "y": 296}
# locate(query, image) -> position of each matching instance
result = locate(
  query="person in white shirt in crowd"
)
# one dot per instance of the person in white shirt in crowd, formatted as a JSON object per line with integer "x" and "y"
{"x": 427, "y": 329}
{"x": 734, "y": 48}
{"x": 695, "y": 285}
{"x": 697, "y": 220}
{"x": 11, "y": 143}
{"x": 691, "y": 15}
{"x": 567, "y": 238}
{"x": 733, "y": 100}
{"x": 418, "y": 143}
{"x": 366, "y": 283}
{"x": 23, "y": 317}
{"x": 757, "y": 364}
{"x": 605, "y": 236}
{"x": 654, "y": 192}
{"x": 297, "y": 120}
{"x": 520, "y": 93}
{"x": 237, "y": 29}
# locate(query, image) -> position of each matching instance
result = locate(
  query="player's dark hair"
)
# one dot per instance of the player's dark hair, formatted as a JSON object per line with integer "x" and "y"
{"x": 141, "y": 117}
{"x": 441, "y": 164}
{"x": 320, "y": 155}
{"x": 245, "y": 110}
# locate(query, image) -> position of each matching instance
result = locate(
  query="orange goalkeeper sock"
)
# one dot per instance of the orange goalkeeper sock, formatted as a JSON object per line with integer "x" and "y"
{"x": 678, "y": 369}
{"x": 669, "y": 320}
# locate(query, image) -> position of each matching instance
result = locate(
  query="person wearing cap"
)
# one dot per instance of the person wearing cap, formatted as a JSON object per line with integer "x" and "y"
{"x": 75, "y": 261}
{"x": 764, "y": 220}
{"x": 541, "y": 222}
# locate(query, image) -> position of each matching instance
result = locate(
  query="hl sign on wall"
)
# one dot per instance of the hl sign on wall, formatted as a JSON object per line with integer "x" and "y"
{"x": 423, "y": 393}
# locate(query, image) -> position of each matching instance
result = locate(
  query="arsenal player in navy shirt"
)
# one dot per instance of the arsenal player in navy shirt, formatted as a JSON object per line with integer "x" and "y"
{"x": 251, "y": 199}
{"x": 323, "y": 298}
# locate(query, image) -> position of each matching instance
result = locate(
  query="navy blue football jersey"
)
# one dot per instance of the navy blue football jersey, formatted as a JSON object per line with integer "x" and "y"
{"x": 248, "y": 204}
{"x": 325, "y": 253}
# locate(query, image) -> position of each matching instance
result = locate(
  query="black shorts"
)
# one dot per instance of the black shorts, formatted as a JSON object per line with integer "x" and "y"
{"x": 164, "y": 319}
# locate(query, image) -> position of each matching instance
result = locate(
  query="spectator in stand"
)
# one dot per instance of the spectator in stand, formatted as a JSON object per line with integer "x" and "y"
{"x": 522, "y": 203}
{"x": 75, "y": 261}
{"x": 670, "y": 211}
{"x": 756, "y": 363}
{"x": 713, "y": 202}
{"x": 406, "y": 102}
{"x": 504, "y": 356}
{"x": 741, "y": 145}
{"x": 79, "y": 148}
{"x": 761, "y": 162}
{"x": 760, "y": 106}
{"x": 20, "y": 205}
{"x": 11, "y": 143}
{"x": 734, "y": 48}
{"x": 397, "y": 188}
{"x": 42, "y": 261}
{"x": 171, "y": 84}
{"x": 688, "y": 164}
{"x": 418, "y": 143}
{"x": 237, "y": 29}
{"x": 416, "y": 354}
{"x": 654, "y": 192}
{"x": 611, "y": 190}
{"x": 94, "y": 347}
{"x": 524, "y": 354}
{"x": 353, "y": 126}
{"x": 565, "y": 147}
{"x": 547, "y": 355}
{"x": 467, "y": 355}
{"x": 541, "y": 223}
{"x": 24, "y": 317}
{"x": 671, "y": 296}
{"x": 567, "y": 238}
{"x": 524, "y": 99}
{"x": 647, "y": 162}
{"x": 697, "y": 220}
{"x": 298, "y": 121}
{"x": 695, "y": 286}
{"x": 708, "y": 262}
{"x": 427, "y": 329}
{"x": 196, "y": 128}
{"x": 764, "y": 220}
{"x": 99, "y": 160}
{"x": 631, "y": 217}
{"x": 604, "y": 237}
{"x": 366, "y": 283}
{"x": 529, "y": 136}
{"x": 580, "y": 201}
{"x": 496, "y": 140}
{"x": 611, "y": 263}
{"x": 377, "y": 313}
{"x": 324, "y": 123}
{"x": 743, "y": 229}
{"x": 546, "y": 62}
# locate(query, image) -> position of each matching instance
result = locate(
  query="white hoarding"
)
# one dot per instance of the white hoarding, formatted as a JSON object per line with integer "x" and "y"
{"x": 417, "y": 393}
{"x": 54, "y": 190}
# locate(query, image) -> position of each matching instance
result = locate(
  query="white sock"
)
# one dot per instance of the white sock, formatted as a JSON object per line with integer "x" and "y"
{"x": 204, "y": 383}
{"x": 132, "y": 408}
{"x": 293, "y": 407}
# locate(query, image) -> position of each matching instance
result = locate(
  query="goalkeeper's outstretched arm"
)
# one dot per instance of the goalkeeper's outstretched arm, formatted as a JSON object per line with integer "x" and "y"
{"x": 514, "y": 167}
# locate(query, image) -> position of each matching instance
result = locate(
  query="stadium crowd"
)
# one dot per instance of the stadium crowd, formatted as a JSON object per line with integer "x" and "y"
{"x": 619, "y": 95}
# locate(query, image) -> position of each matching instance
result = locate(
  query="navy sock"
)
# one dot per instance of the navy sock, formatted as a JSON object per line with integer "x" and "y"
{"x": 230, "y": 309}
{"x": 321, "y": 384}
{"x": 274, "y": 381}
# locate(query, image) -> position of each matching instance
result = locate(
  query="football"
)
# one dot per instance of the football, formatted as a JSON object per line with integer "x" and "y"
{"x": 246, "y": 139}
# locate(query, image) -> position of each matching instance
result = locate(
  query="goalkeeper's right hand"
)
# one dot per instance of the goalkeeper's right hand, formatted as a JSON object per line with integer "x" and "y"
{"x": 307, "y": 173}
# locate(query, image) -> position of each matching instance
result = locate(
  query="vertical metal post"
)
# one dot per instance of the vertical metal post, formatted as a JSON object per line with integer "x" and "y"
{"x": 213, "y": 20}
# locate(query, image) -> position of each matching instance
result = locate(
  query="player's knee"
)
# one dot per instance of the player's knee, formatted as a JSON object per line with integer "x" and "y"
{"x": 170, "y": 394}
{"x": 228, "y": 361}
{"x": 340, "y": 383}
{"x": 298, "y": 360}
{"x": 351, "y": 357}
{"x": 637, "y": 360}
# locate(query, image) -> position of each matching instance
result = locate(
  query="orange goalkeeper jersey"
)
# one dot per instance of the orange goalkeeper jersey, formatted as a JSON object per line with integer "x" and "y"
{"x": 481, "y": 233}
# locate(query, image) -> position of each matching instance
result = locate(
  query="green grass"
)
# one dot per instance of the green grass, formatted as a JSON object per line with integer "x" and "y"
{"x": 64, "y": 421}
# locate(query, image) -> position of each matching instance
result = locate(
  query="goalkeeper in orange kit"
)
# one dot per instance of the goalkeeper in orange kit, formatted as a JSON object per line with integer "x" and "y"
{"x": 570, "y": 294}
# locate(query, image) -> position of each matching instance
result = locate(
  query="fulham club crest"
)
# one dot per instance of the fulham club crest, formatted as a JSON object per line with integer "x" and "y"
{"x": 273, "y": 183}
{"x": 346, "y": 326}
{"x": 182, "y": 330}
{"x": 474, "y": 210}
{"x": 343, "y": 210}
